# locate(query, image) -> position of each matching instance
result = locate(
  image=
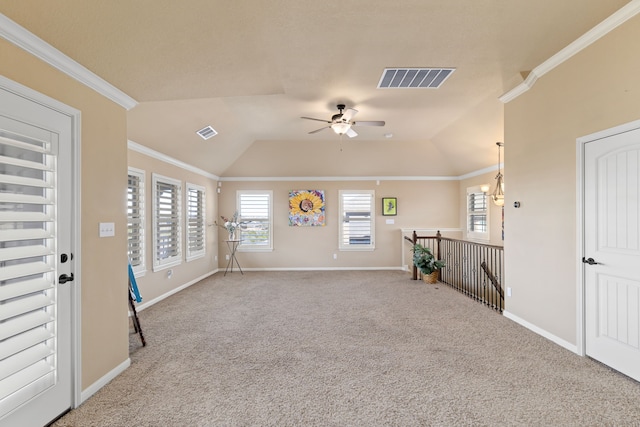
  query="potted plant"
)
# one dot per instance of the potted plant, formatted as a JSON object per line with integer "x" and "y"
{"x": 427, "y": 263}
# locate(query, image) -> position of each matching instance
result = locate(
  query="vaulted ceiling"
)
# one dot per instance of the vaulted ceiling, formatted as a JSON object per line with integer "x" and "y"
{"x": 251, "y": 69}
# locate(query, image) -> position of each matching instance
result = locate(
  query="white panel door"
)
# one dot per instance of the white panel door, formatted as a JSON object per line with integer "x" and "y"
{"x": 612, "y": 251}
{"x": 35, "y": 251}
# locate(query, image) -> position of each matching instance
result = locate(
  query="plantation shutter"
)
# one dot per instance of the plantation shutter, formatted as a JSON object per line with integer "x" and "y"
{"x": 27, "y": 269}
{"x": 357, "y": 209}
{"x": 195, "y": 222}
{"x": 477, "y": 212}
{"x": 255, "y": 214}
{"x": 167, "y": 231}
{"x": 135, "y": 219}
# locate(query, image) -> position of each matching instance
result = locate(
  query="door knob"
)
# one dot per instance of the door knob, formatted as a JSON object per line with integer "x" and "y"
{"x": 64, "y": 278}
{"x": 589, "y": 261}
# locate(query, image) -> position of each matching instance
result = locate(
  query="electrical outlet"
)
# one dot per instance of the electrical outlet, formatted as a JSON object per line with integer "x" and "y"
{"x": 335, "y": 256}
{"x": 508, "y": 291}
{"x": 226, "y": 257}
{"x": 215, "y": 258}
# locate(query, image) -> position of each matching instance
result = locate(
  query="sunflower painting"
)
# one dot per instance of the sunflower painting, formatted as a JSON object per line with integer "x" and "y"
{"x": 306, "y": 208}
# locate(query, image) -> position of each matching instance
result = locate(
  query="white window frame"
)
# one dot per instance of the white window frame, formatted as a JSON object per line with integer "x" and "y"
{"x": 243, "y": 217}
{"x": 343, "y": 219}
{"x": 197, "y": 230}
{"x": 139, "y": 269}
{"x": 176, "y": 259}
{"x": 472, "y": 234}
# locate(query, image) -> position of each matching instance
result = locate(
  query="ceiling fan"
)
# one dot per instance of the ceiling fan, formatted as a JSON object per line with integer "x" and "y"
{"x": 341, "y": 123}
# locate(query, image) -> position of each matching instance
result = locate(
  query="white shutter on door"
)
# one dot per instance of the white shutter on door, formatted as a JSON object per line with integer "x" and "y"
{"x": 27, "y": 269}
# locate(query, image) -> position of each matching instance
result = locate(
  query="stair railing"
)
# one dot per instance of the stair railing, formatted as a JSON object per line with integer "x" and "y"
{"x": 474, "y": 269}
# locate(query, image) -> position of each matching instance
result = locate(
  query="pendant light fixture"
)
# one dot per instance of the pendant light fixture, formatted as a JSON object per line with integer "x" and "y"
{"x": 498, "y": 194}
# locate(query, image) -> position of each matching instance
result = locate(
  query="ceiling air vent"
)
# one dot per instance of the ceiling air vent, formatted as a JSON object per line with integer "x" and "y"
{"x": 414, "y": 78}
{"x": 207, "y": 132}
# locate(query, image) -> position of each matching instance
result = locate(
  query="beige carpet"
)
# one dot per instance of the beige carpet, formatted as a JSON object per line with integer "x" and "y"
{"x": 348, "y": 349}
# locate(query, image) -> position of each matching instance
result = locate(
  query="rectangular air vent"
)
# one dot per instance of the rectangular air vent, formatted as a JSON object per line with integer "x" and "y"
{"x": 414, "y": 78}
{"x": 207, "y": 132}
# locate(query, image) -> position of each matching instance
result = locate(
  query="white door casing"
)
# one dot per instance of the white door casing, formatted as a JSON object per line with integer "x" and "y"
{"x": 612, "y": 250}
{"x": 37, "y": 372}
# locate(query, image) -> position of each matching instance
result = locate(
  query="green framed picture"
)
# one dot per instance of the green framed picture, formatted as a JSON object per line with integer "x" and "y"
{"x": 389, "y": 206}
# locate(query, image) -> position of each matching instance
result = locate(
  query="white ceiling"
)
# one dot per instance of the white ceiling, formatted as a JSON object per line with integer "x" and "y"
{"x": 252, "y": 68}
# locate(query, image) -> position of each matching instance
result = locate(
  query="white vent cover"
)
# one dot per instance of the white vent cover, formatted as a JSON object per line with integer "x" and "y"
{"x": 207, "y": 132}
{"x": 414, "y": 78}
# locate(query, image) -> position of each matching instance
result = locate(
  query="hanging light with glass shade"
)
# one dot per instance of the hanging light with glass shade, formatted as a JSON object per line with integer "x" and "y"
{"x": 498, "y": 194}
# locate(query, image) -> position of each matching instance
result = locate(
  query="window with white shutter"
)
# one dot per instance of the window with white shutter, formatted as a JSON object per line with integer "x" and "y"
{"x": 135, "y": 220}
{"x": 167, "y": 222}
{"x": 195, "y": 222}
{"x": 255, "y": 214}
{"x": 477, "y": 214}
{"x": 357, "y": 220}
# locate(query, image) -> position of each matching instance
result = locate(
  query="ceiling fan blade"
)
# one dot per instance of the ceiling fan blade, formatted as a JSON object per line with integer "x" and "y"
{"x": 349, "y": 114}
{"x": 318, "y": 120}
{"x": 369, "y": 123}
{"x": 318, "y": 130}
{"x": 351, "y": 133}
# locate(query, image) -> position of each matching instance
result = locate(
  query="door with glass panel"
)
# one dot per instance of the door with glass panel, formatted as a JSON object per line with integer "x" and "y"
{"x": 36, "y": 274}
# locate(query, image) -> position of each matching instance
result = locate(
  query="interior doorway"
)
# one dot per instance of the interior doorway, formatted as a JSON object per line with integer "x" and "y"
{"x": 611, "y": 247}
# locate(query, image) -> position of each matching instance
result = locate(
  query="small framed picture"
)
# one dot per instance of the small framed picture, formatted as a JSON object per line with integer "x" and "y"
{"x": 389, "y": 206}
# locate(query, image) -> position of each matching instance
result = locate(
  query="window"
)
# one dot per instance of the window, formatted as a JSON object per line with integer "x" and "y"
{"x": 357, "y": 214}
{"x": 477, "y": 214}
{"x": 167, "y": 222}
{"x": 135, "y": 220}
{"x": 195, "y": 222}
{"x": 255, "y": 213}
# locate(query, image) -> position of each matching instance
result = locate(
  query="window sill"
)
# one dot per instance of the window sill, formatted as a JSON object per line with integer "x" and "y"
{"x": 167, "y": 265}
{"x": 355, "y": 249}
{"x": 245, "y": 249}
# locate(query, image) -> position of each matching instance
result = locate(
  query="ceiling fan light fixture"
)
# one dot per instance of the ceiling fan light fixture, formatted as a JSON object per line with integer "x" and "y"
{"x": 341, "y": 128}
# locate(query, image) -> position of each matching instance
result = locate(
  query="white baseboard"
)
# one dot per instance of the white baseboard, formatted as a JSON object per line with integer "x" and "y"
{"x": 562, "y": 343}
{"x": 93, "y": 388}
{"x": 149, "y": 303}
{"x": 319, "y": 269}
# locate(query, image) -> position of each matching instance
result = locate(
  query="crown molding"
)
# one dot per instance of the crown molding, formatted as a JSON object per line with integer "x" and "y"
{"x": 134, "y": 146}
{"x": 625, "y": 13}
{"x": 360, "y": 178}
{"x": 481, "y": 172}
{"x": 338, "y": 178}
{"x": 37, "y": 47}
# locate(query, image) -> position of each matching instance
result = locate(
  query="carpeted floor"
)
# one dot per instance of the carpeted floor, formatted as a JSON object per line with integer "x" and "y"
{"x": 348, "y": 349}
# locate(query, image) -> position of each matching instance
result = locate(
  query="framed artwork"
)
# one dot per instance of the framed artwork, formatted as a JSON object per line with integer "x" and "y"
{"x": 389, "y": 206}
{"x": 306, "y": 208}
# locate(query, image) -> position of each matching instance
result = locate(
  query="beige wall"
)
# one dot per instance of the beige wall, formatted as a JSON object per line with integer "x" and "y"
{"x": 103, "y": 281}
{"x": 597, "y": 89}
{"x": 156, "y": 284}
{"x": 421, "y": 204}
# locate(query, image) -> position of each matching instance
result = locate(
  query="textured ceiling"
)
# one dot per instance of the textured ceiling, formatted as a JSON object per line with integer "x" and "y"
{"x": 251, "y": 69}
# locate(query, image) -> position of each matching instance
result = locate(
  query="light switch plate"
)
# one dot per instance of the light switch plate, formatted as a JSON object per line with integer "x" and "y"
{"x": 107, "y": 229}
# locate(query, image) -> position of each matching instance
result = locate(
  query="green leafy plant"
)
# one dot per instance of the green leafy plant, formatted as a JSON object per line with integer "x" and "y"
{"x": 424, "y": 259}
